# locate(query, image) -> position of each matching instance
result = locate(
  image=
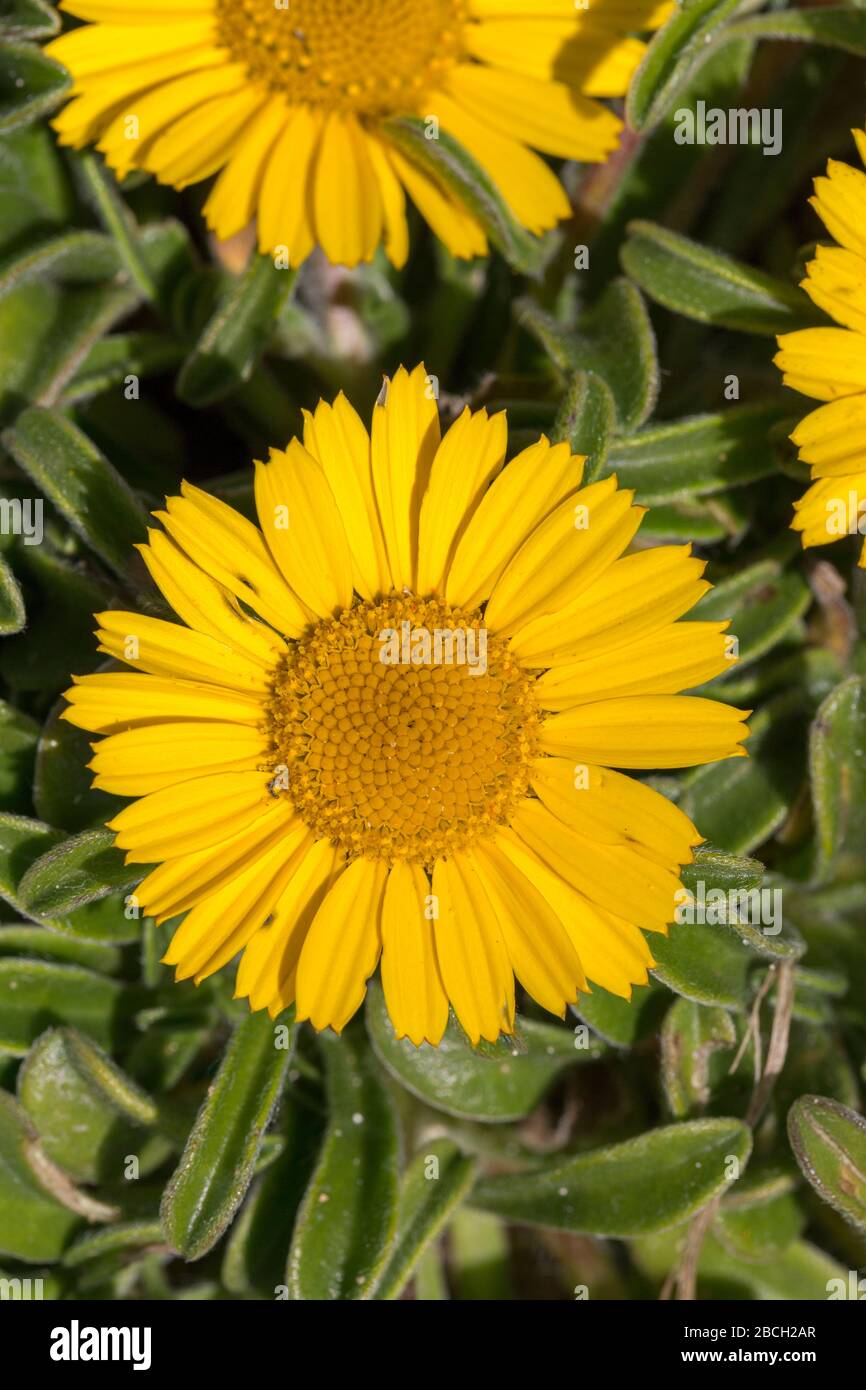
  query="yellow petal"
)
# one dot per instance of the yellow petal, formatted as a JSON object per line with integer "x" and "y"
{"x": 413, "y": 987}
{"x": 539, "y": 948}
{"x": 475, "y": 970}
{"x": 547, "y": 115}
{"x": 268, "y": 969}
{"x": 232, "y": 550}
{"x": 335, "y": 436}
{"x": 191, "y": 815}
{"x": 832, "y": 439}
{"x": 197, "y": 144}
{"x": 562, "y": 557}
{"x": 393, "y": 202}
{"x": 528, "y": 490}
{"x": 346, "y": 199}
{"x": 614, "y": 877}
{"x": 205, "y": 605}
{"x": 467, "y": 460}
{"x": 405, "y": 439}
{"x": 836, "y": 281}
{"x": 234, "y": 197}
{"x": 220, "y": 926}
{"x": 533, "y": 192}
{"x": 664, "y": 662}
{"x": 284, "y": 204}
{"x": 303, "y": 529}
{"x": 637, "y": 595}
{"x": 158, "y": 755}
{"x": 342, "y": 947}
{"x": 160, "y": 108}
{"x": 182, "y": 882}
{"x": 608, "y": 806}
{"x": 647, "y": 731}
{"x": 451, "y": 222}
{"x": 170, "y": 649}
{"x": 110, "y": 703}
{"x": 613, "y": 952}
{"x": 840, "y": 202}
{"x": 823, "y": 362}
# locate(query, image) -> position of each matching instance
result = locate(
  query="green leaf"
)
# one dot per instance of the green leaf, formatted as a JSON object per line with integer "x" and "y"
{"x": 841, "y": 27}
{"x": 77, "y": 258}
{"x": 24, "y": 939}
{"x": 759, "y": 1230}
{"x": 62, "y": 791}
{"x": 258, "y": 1243}
{"x": 764, "y": 602}
{"x": 237, "y": 334}
{"x": 710, "y": 961}
{"x": 28, "y": 19}
{"x": 19, "y": 735}
{"x": 31, "y": 85}
{"x": 434, "y": 1184}
{"x": 82, "y": 484}
{"x": 497, "y": 1084}
{"x": 698, "y": 456}
{"x": 33, "y": 186}
{"x": 801, "y": 1273}
{"x": 33, "y": 1225}
{"x": 739, "y": 802}
{"x": 12, "y": 612}
{"x": 586, "y": 421}
{"x": 36, "y": 994}
{"x": 101, "y": 191}
{"x": 677, "y": 50}
{"x": 46, "y": 330}
{"x": 690, "y": 1037}
{"x": 837, "y": 755}
{"x": 123, "y": 1237}
{"x": 614, "y": 340}
{"x": 216, "y": 1167}
{"x": 829, "y": 1143}
{"x": 346, "y": 1223}
{"x": 643, "y": 1185}
{"x": 624, "y": 1022}
{"x": 113, "y": 360}
{"x": 89, "y": 1116}
{"x": 449, "y": 164}
{"x": 22, "y": 842}
{"x": 80, "y": 870}
{"x": 710, "y": 286}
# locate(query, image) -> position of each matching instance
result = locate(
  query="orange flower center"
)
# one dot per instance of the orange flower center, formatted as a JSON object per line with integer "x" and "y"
{"x": 373, "y": 57}
{"x": 402, "y": 729}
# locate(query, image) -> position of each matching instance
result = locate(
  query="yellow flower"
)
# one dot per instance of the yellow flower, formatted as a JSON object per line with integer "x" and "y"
{"x": 386, "y": 724}
{"x": 829, "y": 364}
{"x": 289, "y": 102}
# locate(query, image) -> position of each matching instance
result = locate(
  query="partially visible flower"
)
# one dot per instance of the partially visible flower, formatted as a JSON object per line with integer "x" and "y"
{"x": 288, "y": 100}
{"x": 386, "y": 724}
{"x": 829, "y": 364}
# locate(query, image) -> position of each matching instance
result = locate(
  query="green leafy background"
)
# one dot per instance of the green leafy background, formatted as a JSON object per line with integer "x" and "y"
{"x": 158, "y": 1141}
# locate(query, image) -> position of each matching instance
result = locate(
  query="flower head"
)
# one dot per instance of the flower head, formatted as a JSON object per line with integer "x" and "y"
{"x": 829, "y": 364}
{"x": 387, "y": 722}
{"x": 290, "y": 102}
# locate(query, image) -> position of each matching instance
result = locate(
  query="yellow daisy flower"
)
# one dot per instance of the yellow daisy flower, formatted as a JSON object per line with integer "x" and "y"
{"x": 288, "y": 100}
{"x": 387, "y": 722}
{"x": 829, "y": 364}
